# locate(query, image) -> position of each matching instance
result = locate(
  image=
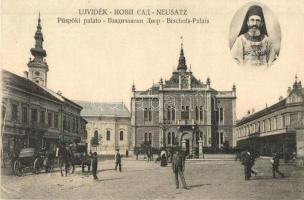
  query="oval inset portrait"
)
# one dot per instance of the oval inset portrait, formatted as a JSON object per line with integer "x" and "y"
{"x": 255, "y": 36}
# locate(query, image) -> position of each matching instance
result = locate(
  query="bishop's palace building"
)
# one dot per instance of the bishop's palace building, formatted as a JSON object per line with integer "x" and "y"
{"x": 183, "y": 110}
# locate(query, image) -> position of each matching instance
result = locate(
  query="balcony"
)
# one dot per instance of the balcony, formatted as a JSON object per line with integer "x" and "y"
{"x": 186, "y": 122}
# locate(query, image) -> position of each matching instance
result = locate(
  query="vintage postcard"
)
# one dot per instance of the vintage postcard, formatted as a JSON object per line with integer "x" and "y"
{"x": 145, "y": 99}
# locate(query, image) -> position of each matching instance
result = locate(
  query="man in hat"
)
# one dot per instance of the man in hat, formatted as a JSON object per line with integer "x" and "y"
{"x": 253, "y": 46}
{"x": 275, "y": 161}
{"x": 94, "y": 165}
{"x": 178, "y": 167}
{"x": 117, "y": 160}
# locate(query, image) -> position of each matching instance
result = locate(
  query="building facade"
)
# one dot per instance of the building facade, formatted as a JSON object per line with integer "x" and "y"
{"x": 109, "y": 125}
{"x": 273, "y": 129}
{"x": 182, "y": 111}
{"x": 32, "y": 114}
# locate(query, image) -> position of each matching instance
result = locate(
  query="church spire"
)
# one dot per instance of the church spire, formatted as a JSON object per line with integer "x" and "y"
{"x": 38, "y": 52}
{"x": 182, "y": 60}
{"x": 38, "y": 67}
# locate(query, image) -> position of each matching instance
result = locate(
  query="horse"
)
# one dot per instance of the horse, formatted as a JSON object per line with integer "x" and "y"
{"x": 65, "y": 158}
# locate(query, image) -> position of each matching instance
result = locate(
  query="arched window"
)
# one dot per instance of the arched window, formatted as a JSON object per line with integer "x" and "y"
{"x": 108, "y": 135}
{"x": 121, "y": 135}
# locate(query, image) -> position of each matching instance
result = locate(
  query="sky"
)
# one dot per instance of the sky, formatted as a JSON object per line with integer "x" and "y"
{"x": 99, "y": 62}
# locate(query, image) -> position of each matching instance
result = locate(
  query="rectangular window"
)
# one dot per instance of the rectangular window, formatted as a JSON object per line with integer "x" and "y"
{"x": 196, "y": 113}
{"x": 173, "y": 113}
{"x": 108, "y": 135}
{"x": 287, "y": 120}
{"x": 169, "y": 138}
{"x": 146, "y": 114}
{"x": 150, "y": 138}
{"x": 56, "y": 125}
{"x": 50, "y": 119}
{"x": 150, "y": 115}
{"x": 24, "y": 114}
{"x": 14, "y": 112}
{"x": 221, "y": 116}
{"x": 201, "y": 113}
{"x": 169, "y": 113}
{"x": 173, "y": 138}
{"x": 185, "y": 113}
{"x": 42, "y": 117}
{"x": 222, "y": 137}
{"x": 64, "y": 123}
{"x": 121, "y": 135}
{"x": 34, "y": 116}
{"x": 68, "y": 123}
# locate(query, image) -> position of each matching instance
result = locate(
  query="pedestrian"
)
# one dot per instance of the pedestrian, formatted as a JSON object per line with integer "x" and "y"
{"x": 117, "y": 160}
{"x": 127, "y": 153}
{"x": 252, "y": 162}
{"x": 148, "y": 155}
{"x": 151, "y": 154}
{"x": 275, "y": 161}
{"x": 178, "y": 167}
{"x": 136, "y": 152}
{"x": 94, "y": 165}
{"x": 246, "y": 161}
{"x": 163, "y": 158}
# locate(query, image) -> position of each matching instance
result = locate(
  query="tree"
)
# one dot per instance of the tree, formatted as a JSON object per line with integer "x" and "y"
{"x": 94, "y": 141}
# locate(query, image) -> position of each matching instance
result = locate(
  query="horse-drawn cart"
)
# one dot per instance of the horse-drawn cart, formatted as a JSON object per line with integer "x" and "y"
{"x": 30, "y": 160}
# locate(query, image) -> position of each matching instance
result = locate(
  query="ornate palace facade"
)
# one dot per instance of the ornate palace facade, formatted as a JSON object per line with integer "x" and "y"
{"x": 183, "y": 110}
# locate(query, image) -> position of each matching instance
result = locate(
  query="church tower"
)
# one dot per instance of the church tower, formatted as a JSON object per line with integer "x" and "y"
{"x": 38, "y": 67}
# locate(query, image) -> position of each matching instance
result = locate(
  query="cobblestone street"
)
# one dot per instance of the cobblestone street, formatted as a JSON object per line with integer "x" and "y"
{"x": 147, "y": 180}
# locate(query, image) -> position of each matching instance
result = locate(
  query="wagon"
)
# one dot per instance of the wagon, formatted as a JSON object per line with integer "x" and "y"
{"x": 30, "y": 160}
{"x": 81, "y": 156}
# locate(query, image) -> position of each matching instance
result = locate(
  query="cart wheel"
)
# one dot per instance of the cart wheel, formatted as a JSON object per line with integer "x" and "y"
{"x": 36, "y": 167}
{"x": 18, "y": 168}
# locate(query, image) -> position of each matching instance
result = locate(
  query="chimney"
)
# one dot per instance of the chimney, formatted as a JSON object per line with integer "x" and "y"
{"x": 59, "y": 92}
{"x": 25, "y": 73}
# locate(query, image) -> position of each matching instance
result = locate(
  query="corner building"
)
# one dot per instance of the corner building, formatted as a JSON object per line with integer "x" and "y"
{"x": 33, "y": 115}
{"x": 181, "y": 111}
{"x": 277, "y": 128}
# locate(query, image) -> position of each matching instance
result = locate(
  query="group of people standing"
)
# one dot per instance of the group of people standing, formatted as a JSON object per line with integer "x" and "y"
{"x": 248, "y": 160}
